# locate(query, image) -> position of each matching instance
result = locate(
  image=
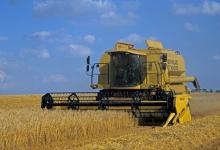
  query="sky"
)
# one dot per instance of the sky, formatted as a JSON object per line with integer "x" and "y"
{"x": 44, "y": 43}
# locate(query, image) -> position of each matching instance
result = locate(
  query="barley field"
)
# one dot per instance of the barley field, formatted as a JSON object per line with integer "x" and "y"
{"x": 23, "y": 125}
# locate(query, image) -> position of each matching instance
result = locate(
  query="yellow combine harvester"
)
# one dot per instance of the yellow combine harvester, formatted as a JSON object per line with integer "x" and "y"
{"x": 151, "y": 83}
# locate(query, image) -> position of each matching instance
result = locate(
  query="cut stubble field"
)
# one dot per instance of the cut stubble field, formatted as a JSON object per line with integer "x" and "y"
{"x": 23, "y": 125}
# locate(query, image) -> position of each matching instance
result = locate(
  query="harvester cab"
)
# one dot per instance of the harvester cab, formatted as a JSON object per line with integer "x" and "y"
{"x": 150, "y": 83}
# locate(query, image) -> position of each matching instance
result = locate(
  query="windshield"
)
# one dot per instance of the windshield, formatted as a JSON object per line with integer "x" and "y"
{"x": 125, "y": 69}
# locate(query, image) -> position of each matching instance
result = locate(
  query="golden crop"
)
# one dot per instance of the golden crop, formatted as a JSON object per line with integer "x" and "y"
{"x": 23, "y": 125}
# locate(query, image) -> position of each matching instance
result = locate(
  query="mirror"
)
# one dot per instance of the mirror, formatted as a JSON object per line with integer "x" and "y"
{"x": 164, "y": 66}
{"x": 88, "y": 60}
{"x": 87, "y": 68}
{"x": 164, "y": 57}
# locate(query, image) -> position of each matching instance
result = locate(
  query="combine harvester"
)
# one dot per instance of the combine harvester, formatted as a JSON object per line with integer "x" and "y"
{"x": 150, "y": 83}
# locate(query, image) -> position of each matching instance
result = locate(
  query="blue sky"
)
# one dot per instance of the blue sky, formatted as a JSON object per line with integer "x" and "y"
{"x": 44, "y": 43}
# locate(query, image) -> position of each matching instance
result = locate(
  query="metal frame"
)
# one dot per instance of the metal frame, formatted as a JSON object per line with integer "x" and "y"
{"x": 92, "y": 72}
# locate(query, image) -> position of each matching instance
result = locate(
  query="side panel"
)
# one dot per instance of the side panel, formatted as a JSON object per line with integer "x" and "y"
{"x": 154, "y": 72}
{"x": 104, "y": 69}
{"x": 175, "y": 65}
{"x": 176, "y": 69}
{"x": 181, "y": 104}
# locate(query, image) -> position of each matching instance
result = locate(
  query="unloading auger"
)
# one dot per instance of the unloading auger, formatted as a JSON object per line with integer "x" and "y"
{"x": 150, "y": 83}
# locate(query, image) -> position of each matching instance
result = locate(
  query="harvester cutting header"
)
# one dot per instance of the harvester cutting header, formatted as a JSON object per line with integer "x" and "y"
{"x": 151, "y": 83}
